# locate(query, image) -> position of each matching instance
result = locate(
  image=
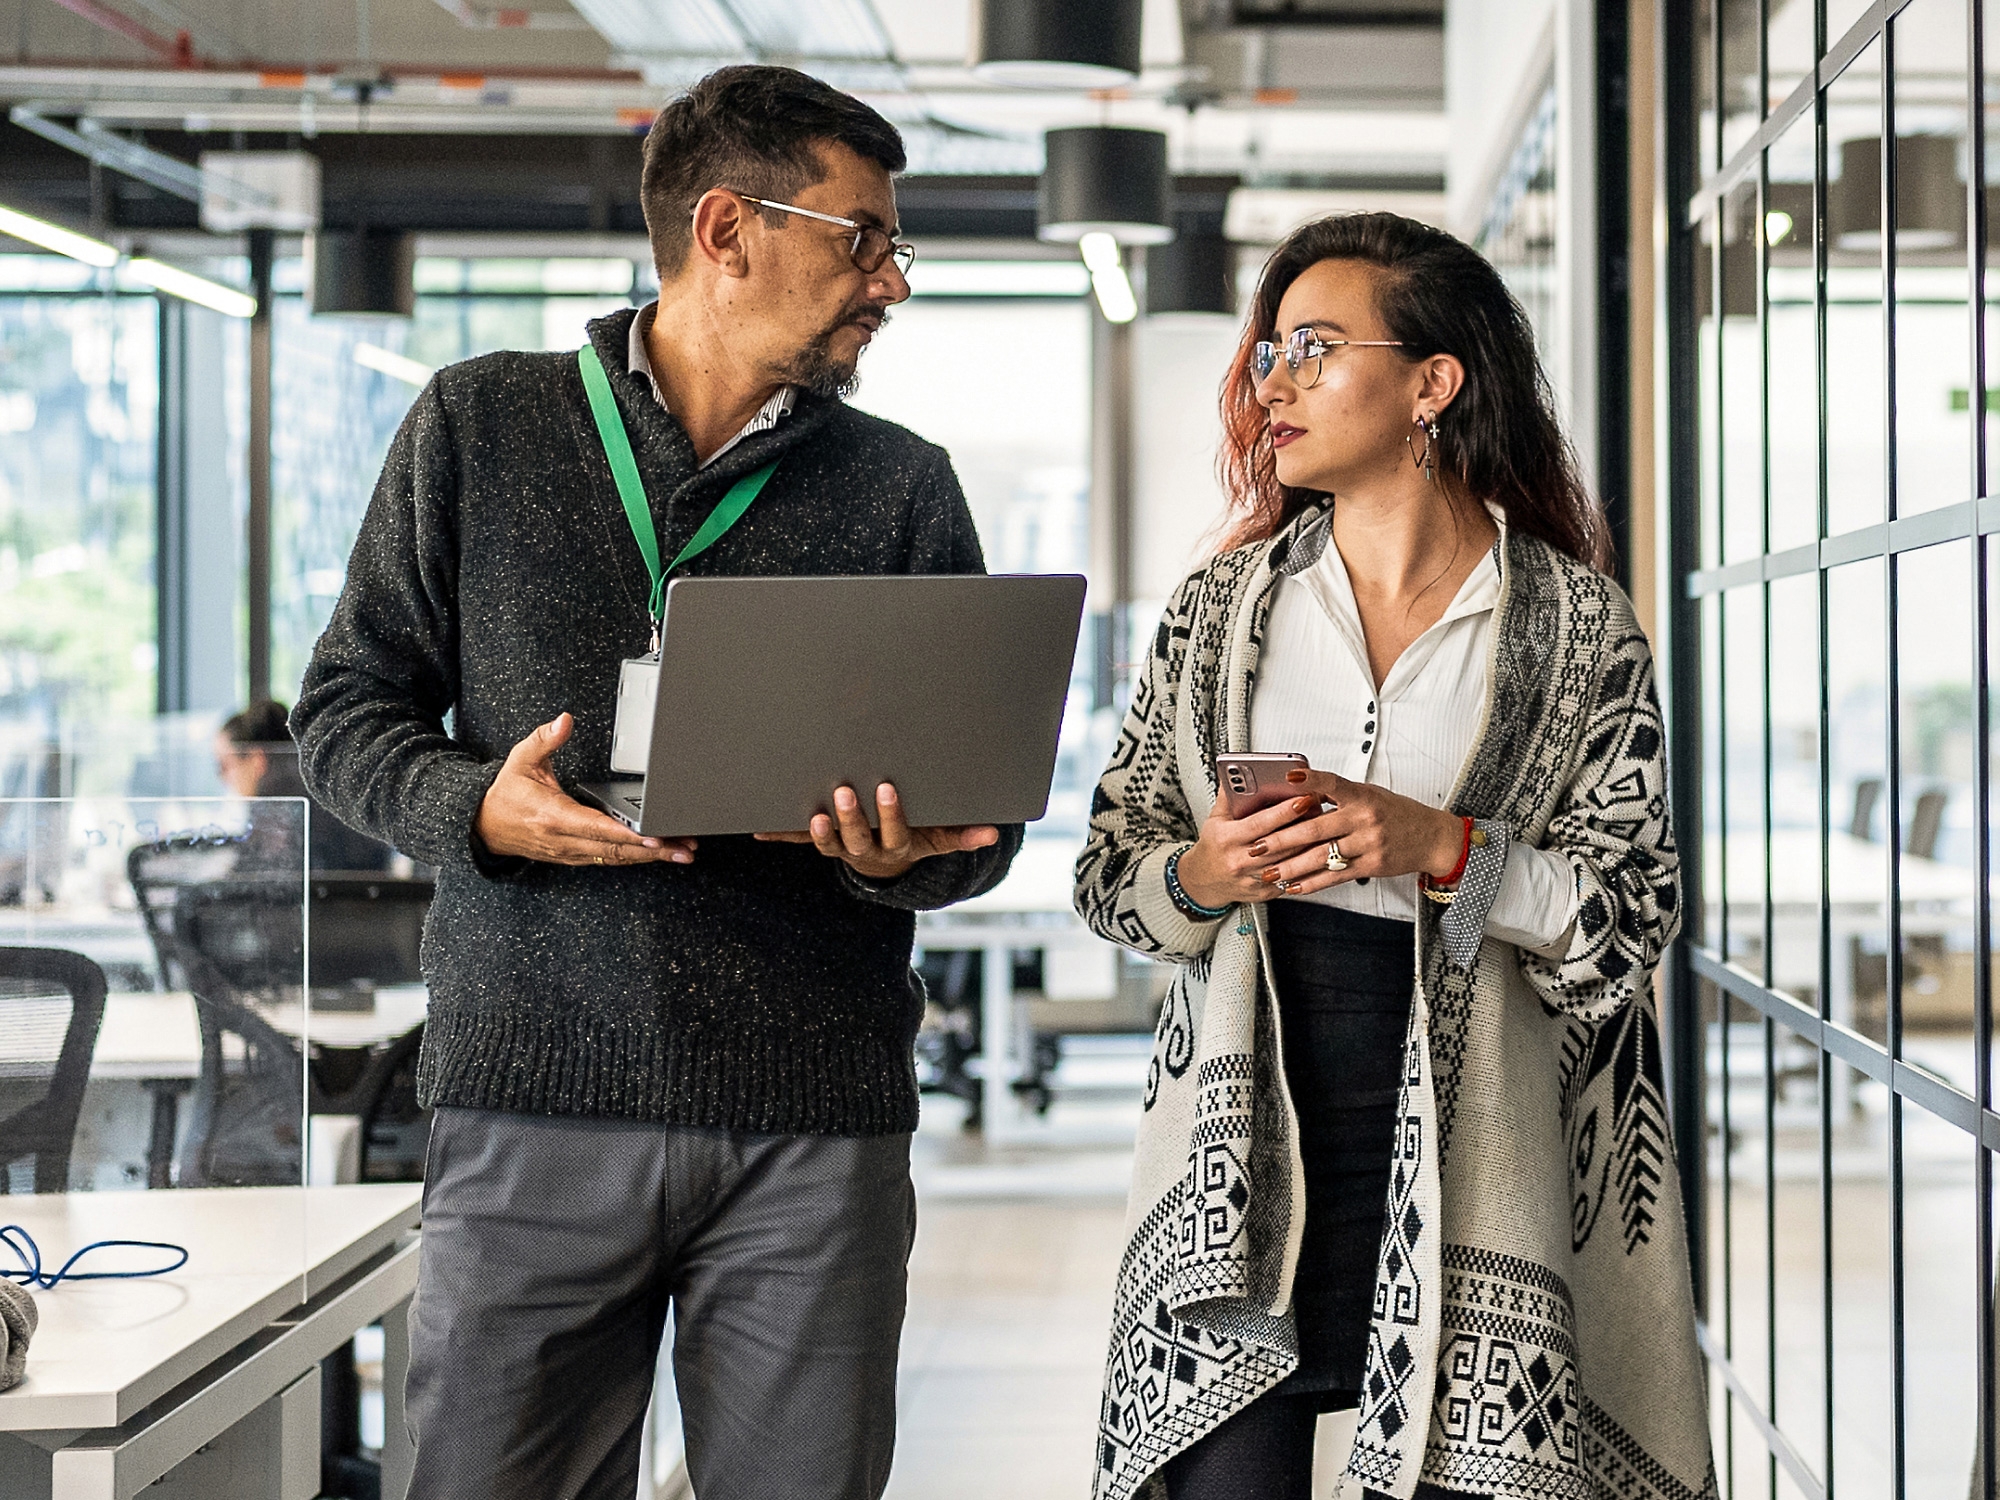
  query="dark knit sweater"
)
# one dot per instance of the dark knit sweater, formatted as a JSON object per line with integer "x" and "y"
{"x": 495, "y": 581}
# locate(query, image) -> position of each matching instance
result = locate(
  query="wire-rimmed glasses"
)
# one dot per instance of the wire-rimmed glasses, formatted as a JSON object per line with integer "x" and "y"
{"x": 871, "y": 245}
{"x": 1302, "y": 354}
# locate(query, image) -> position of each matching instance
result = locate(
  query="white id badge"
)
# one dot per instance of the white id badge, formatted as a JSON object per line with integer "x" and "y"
{"x": 632, "y": 728}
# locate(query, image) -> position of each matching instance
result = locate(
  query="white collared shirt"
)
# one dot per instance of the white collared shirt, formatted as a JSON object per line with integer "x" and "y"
{"x": 1316, "y": 695}
{"x": 637, "y": 361}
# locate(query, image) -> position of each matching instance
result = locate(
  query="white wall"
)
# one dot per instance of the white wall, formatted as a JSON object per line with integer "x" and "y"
{"x": 1177, "y": 504}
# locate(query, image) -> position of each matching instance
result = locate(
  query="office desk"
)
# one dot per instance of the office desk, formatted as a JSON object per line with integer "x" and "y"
{"x": 157, "y": 1035}
{"x": 126, "y": 1379}
{"x": 1031, "y": 908}
{"x": 154, "y": 1040}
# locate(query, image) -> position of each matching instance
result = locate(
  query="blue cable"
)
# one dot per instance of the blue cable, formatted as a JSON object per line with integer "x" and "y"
{"x": 17, "y": 1239}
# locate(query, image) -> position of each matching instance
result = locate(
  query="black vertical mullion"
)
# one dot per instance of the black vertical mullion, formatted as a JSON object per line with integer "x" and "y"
{"x": 1982, "y": 916}
{"x": 1893, "y": 782}
{"x": 1822, "y": 501}
{"x": 1676, "y": 71}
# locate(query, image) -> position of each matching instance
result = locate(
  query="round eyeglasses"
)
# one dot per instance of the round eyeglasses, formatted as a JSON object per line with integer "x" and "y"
{"x": 871, "y": 246}
{"x": 1302, "y": 353}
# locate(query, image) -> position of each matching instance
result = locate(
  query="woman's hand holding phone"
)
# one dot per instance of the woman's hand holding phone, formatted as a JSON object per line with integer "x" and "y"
{"x": 1282, "y": 850}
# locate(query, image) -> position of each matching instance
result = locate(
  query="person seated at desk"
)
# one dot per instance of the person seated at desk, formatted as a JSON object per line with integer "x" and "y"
{"x": 255, "y": 757}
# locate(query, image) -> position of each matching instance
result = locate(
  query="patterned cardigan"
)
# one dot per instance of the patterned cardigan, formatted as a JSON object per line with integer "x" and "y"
{"x": 1533, "y": 1334}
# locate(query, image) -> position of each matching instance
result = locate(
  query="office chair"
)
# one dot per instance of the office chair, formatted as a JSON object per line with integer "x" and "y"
{"x": 51, "y": 1004}
{"x": 1925, "y": 824}
{"x": 1867, "y": 792}
{"x": 395, "y": 1128}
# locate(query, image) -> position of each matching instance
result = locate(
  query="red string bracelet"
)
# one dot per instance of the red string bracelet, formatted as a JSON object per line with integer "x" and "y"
{"x": 1464, "y": 854}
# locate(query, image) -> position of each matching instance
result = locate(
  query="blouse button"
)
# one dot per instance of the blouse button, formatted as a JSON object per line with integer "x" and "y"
{"x": 1369, "y": 727}
{"x": 1361, "y": 880}
{"x": 1366, "y": 745}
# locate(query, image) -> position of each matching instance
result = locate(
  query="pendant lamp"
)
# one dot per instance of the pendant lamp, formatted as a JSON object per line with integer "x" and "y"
{"x": 1057, "y": 44}
{"x": 361, "y": 273}
{"x": 1930, "y": 195}
{"x": 1103, "y": 179}
{"x": 1194, "y": 274}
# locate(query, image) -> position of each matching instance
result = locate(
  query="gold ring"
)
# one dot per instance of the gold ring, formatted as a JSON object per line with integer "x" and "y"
{"x": 600, "y": 859}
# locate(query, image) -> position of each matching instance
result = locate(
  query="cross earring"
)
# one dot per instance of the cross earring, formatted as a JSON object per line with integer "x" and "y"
{"x": 1427, "y": 460}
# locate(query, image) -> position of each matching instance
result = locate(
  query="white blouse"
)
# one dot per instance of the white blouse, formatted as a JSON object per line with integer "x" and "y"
{"x": 1316, "y": 696}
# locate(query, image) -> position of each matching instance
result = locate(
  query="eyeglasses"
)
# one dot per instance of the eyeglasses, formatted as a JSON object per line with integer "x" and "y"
{"x": 1302, "y": 354}
{"x": 871, "y": 246}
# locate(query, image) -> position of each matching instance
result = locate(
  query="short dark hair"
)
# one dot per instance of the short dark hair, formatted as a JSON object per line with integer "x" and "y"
{"x": 259, "y": 724}
{"x": 752, "y": 128}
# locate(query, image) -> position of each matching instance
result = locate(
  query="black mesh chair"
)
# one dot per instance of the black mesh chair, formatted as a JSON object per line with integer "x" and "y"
{"x": 51, "y": 1004}
{"x": 238, "y": 942}
{"x": 395, "y": 1128}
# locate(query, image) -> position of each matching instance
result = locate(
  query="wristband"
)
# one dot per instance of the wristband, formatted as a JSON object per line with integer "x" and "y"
{"x": 1183, "y": 902}
{"x": 1433, "y": 887}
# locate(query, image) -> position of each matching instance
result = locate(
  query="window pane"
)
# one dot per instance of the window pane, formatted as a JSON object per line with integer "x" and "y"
{"x": 1742, "y": 381}
{"x": 1840, "y": 15}
{"x": 1863, "y": 1313}
{"x": 1708, "y": 343}
{"x": 1935, "y": 727}
{"x": 1788, "y": 35}
{"x": 1703, "y": 64}
{"x": 79, "y": 394}
{"x": 1857, "y": 853}
{"x": 1790, "y": 293}
{"x": 1855, "y": 365}
{"x": 1795, "y": 799}
{"x": 1940, "y": 1318}
{"x": 1743, "y": 753}
{"x": 1742, "y": 73}
{"x": 1933, "y": 349}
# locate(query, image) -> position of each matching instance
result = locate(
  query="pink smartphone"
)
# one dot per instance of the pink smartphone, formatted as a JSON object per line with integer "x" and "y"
{"x": 1256, "y": 780}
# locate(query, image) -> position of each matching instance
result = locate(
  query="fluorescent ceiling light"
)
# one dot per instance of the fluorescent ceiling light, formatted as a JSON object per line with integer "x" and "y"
{"x": 175, "y": 282}
{"x": 54, "y": 237}
{"x": 998, "y": 278}
{"x": 397, "y": 366}
{"x": 1108, "y": 278}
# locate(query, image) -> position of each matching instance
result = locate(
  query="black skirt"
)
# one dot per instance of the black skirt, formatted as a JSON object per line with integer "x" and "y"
{"x": 1344, "y": 982}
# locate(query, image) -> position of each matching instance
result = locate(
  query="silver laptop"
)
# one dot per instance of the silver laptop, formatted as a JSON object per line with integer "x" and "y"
{"x": 774, "y": 691}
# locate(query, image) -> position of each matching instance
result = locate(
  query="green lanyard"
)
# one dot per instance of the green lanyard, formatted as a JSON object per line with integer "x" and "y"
{"x": 625, "y": 471}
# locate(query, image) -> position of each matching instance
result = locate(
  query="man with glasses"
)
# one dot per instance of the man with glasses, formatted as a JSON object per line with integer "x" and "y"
{"x": 664, "y": 1076}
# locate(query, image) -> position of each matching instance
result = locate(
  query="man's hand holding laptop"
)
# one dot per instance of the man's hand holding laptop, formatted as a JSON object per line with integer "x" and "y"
{"x": 527, "y": 813}
{"x": 889, "y": 853}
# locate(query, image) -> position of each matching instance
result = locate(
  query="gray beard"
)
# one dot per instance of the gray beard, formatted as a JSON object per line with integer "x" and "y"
{"x": 817, "y": 370}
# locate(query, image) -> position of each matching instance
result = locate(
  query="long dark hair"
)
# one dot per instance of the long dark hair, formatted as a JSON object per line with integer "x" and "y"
{"x": 1500, "y": 440}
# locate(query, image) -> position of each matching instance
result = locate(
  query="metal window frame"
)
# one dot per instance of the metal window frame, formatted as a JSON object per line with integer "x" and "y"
{"x": 1686, "y": 54}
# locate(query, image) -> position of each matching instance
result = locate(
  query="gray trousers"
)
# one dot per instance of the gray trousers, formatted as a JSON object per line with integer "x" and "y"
{"x": 552, "y": 1249}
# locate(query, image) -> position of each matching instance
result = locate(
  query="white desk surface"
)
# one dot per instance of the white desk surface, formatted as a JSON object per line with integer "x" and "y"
{"x": 1857, "y": 871}
{"x": 106, "y": 1349}
{"x": 1042, "y": 880}
{"x": 156, "y": 1035}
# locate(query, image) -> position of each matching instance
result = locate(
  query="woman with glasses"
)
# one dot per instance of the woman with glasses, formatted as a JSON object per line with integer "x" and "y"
{"x": 1405, "y": 1146}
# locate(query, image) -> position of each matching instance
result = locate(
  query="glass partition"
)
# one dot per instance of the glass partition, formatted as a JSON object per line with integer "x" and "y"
{"x": 1833, "y": 621}
{"x": 186, "y": 921}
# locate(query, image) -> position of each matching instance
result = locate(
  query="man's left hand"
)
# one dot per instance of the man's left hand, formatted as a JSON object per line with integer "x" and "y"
{"x": 889, "y": 852}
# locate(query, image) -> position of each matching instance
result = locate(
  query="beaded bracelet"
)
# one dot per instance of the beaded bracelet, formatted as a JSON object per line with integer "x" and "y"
{"x": 1183, "y": 902}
